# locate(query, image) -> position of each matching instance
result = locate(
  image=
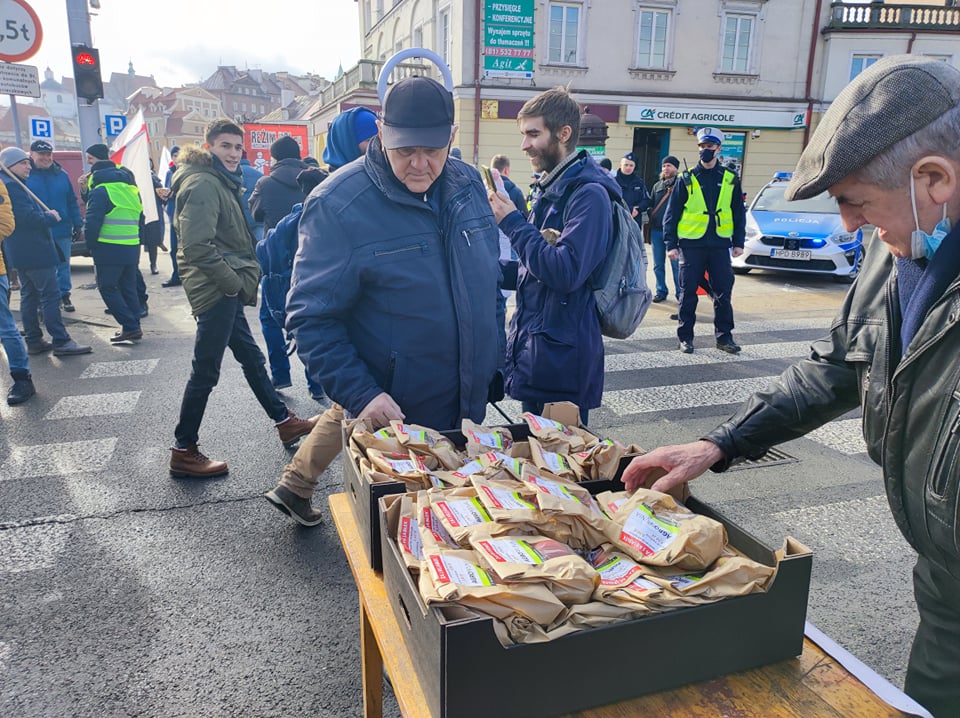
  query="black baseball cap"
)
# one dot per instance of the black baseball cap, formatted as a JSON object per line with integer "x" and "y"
{"x": 41, "y": 146}
{"x": 417, "y": 112}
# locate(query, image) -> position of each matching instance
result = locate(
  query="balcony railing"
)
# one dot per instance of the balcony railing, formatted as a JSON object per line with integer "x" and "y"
{"x": 365, "y": 74}
{"x": 878, "y": 16}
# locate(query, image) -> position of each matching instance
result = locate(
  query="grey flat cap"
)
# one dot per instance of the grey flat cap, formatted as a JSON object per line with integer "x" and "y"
{"x": 890, "y": 100}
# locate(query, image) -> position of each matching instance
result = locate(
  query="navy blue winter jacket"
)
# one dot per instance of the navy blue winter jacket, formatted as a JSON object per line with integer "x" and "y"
{"x": 276, "y": 252}
{"x": 251, "y": 176}
{"x": 98, "y": 207}
{"x": 555, "y": 350}
{"x": 634, "y": 192}
{"x": 391, "y": 295}
{"x": 31, "y": 244}
{"x": 54, "y": 188}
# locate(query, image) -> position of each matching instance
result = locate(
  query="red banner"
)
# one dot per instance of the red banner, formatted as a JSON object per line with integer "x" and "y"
{"x": 257, "y": 139}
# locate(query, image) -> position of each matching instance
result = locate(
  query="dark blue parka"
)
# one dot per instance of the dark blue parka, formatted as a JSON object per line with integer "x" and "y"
{"x": 54, "y": 188}
{"x": 392, "y": 293}
{"x": 555, "y": 350}
{"x": 276, "y": 252}
{"x": 634, "y": 191}
{"x": 31, "y": 244}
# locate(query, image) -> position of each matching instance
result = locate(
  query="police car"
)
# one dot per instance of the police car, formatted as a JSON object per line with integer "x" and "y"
{"x": 801, "y": 236}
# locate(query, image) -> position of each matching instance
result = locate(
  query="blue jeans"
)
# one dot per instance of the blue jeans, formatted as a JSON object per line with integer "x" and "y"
{"x": 659, "y": 247}
{"x": 39, "y": 292}
{"x": 277, "y": 348}
{"x": 223, "y": 325}
{"x": 535, "y": 407}
{"x": 715, "y": 262}
{"x": 13, "y": 345}
{"x": 63, "y": 269}
{"x": 118, "y": 287}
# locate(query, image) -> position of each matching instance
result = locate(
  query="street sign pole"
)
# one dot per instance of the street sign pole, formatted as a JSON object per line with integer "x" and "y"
{"x": 78, "y": 23}
{"x": 16, "y": 120}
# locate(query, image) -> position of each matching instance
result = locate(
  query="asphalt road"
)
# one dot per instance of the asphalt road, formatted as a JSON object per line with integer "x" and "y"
{"x": 124, "y": 592}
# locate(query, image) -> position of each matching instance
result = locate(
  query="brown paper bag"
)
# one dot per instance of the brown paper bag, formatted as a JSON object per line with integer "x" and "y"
{"x": 556, "y": 463}
{"x": 558, "y": 437}
{"x": 571, "y": 506}
{"x": 623, "y": 582}
{"x": 589, "y": 615}
{"x": 506, "y": 499}
{"x": 456, "y": 575}
{"x": 601, "y": 461}
{"x": 729, "y": 576}
{"x": 433, "y": 534}
{"x": 408, "y": 534}
{"x": 425, "y": 441}
{"x": 654, "y": 529}
{"x": 482, "y": 439}
{"x": 514, "y": 558}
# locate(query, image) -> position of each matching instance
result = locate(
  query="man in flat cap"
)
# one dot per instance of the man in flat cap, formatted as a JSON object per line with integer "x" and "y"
{"x": 888, "y": 150}
{"x": 393, "y": 302}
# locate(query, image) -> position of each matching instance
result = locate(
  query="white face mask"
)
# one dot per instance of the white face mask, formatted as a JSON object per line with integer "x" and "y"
{"x": 921, "y": 243}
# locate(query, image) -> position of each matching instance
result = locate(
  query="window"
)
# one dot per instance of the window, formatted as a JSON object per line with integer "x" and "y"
{"x": 261, "y": 109}
{"x": 234, "y": 106}
{"x": 737, "y": 36}
{"x": 243, "y": 107}
{"x": 418, "y": 36}
{"x": 563, "y": 33}
{"x": 59, "y": 99}
{"x": 443, "y": 34}
{"x": 859, "y": 63}
{"x": 652, "y": 38}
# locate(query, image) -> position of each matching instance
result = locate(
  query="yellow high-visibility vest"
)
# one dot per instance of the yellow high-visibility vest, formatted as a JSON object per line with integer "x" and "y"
{"x": 122, "y": 223}
{"x": 696, "y": 217}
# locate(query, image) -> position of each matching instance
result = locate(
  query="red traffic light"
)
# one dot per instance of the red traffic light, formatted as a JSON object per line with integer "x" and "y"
{"x": 85, "y": 58}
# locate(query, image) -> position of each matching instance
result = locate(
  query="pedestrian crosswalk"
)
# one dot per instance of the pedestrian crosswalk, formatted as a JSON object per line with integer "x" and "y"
{"x": 644, "y": 379}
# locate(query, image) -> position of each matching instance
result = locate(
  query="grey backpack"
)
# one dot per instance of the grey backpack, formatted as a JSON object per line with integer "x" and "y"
{"x": 620, "y": 282}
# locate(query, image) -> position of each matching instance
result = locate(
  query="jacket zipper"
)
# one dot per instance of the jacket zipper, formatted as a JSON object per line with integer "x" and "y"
{"x": 409, "y": 248}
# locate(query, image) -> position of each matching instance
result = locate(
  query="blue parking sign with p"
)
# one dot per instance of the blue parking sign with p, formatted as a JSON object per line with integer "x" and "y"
{"x": 115, "y": 124}
{"x": 41, "y": 128}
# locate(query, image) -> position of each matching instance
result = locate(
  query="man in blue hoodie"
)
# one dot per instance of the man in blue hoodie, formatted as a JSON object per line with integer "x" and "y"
{"x": 52, "y": 185}
{"x": 555, "y": 350}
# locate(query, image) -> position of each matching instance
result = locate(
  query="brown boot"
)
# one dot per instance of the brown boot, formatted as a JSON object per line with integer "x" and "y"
{"x": 293, "y": 427}
{"x": 189, "y": 463}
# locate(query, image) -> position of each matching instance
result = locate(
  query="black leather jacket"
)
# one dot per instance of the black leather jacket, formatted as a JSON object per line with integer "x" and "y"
{"x": 911, "y": 414}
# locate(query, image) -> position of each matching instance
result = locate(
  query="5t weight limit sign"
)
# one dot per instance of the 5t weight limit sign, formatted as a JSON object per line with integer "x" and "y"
{"x": 20, "y": 31}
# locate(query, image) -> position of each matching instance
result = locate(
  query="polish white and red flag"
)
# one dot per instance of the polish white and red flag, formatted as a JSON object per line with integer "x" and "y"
{"x": 132, "y": 150}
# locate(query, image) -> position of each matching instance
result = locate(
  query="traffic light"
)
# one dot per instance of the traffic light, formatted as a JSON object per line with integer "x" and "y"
{"x": 86, "y": 73}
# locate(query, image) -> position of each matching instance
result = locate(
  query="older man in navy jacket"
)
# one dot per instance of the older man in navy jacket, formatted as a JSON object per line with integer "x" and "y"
{"x": 393, "y": 302}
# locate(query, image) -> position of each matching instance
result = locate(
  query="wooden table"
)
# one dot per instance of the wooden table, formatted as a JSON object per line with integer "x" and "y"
{"x": 811, "y": 686}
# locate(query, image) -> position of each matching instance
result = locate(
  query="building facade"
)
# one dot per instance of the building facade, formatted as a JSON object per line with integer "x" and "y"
{"x": 655, "y": 70}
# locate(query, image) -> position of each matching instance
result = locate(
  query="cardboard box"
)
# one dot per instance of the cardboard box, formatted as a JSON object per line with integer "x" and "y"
{"x": 462, "y": 666}
{"x": 364, "y": 495}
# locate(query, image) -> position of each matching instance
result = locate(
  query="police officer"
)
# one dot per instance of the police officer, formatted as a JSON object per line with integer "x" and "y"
{"x": 704, "y": 218}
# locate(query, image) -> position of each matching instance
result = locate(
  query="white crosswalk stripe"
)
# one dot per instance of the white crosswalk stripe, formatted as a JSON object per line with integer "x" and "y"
{"x": 704, "y": 327}
{"x": 711, "y": 355}
{"x": 683, "y": 396}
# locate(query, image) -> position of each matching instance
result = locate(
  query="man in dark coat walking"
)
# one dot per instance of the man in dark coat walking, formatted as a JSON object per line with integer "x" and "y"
{"x": 277, "y": 192}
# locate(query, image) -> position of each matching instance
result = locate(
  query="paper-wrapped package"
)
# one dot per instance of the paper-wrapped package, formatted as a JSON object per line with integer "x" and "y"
{"x": 425, "y": 441}
{"x": 481, "y": 439}
{"x": 537, "y": 559}
{"x": 654, "y": 529}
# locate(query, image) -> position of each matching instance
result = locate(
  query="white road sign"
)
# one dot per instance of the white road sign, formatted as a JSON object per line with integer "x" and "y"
{"x": 23, "y": 80}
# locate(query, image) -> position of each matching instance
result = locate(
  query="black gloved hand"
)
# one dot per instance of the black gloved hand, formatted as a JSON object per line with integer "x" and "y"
{"x": 495, "y": 390}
